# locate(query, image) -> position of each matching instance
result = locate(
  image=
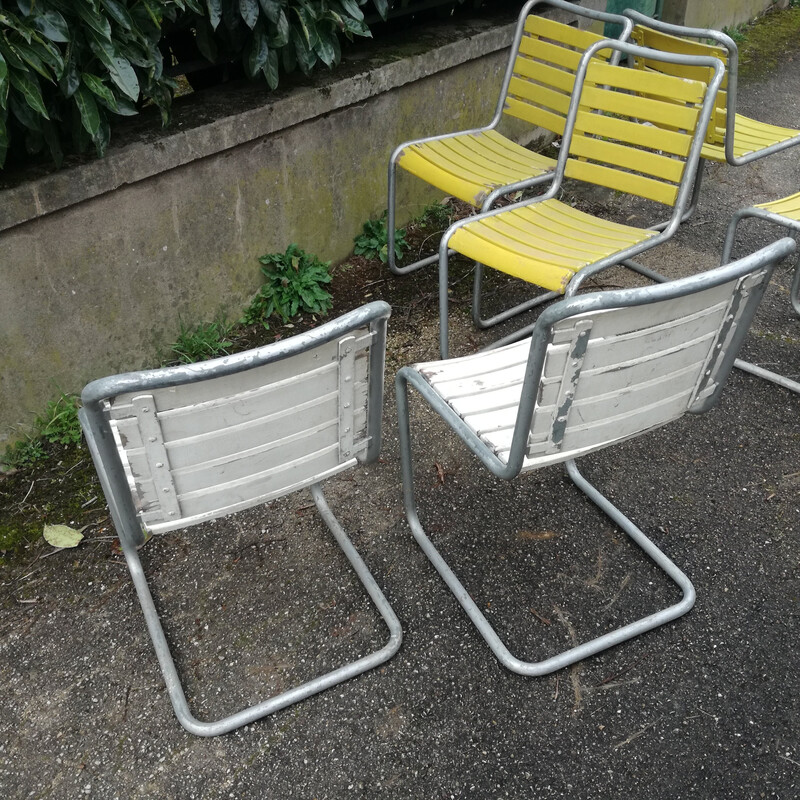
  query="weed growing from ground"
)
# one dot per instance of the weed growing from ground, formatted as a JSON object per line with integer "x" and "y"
{"x": 295, "y": 283}
{"x": 203, "y": 341}
{"x": 373, "y": 241}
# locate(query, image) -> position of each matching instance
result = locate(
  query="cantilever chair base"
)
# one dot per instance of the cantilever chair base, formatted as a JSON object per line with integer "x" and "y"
{"x": 246, "y": 716}
{"x": 581, "y": 651}
{"x": 598, "y": 369}
{"x": 786, "y": 213}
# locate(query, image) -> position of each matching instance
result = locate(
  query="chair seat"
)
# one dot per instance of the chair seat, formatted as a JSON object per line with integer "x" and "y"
{"x": 788, "y": 207}
{"x": 470, "y": 166}
{"x": 545, "y": 243}
{"x": 751, "y": 136}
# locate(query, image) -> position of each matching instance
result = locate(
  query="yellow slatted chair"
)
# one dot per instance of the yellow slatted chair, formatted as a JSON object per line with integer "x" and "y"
{"x": 628, "y": 130}
{"x": 481, "y": 165}
{"x": 731, "y": 137}
{"x": 786, "y": 213}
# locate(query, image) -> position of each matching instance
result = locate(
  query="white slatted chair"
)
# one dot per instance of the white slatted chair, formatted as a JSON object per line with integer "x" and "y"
{"x": 182, "y": 445}
{"x": 599, "y": 369}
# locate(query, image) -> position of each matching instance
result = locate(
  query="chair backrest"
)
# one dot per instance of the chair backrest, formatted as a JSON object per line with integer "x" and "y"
{"x": 546, "y": 53}
{"x": 639, "y": 132}
{"x": 609, "y": 366}
{"x": 646, "y": 36}
{"x": 181, "y": 445}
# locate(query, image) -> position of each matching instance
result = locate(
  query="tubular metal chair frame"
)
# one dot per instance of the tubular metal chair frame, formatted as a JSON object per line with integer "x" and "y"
{"x": 129, "y": 510}
{"x": 712, "y": 151}
{"x": 751, "y": 275}
{"x": 765, "y": 213}
{"x": 624, "y": 256}
{"x": 499, "y": 191}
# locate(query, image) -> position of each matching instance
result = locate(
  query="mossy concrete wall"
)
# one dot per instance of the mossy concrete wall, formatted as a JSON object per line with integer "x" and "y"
{"x": 102, "y": 261}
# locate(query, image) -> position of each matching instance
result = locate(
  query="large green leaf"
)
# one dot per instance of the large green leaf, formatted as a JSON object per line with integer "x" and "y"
{"x": 280, "y": 31}
{"x": 257, "y": 52}
{"x": 270, "y": 70}
{"x": 5, "y": 84}
{"x": 327, "y": 47}
{"x": 249, "y": 11}
{"x": 119, "y": 69}
{"x": 119, "y": 13}
{"x": 87, "y": 106}
{"x": 28, "y": 86}
{"x": 98, "y": 88}
{"x": 52, "y": 25}
{"x": 97, "y": 22}
{"x": 29, "y": 56}
{"x": 383, "y": 7}
{"x": 272, "y": 9}
{"x": 214, "y": 12}
{"x": 351, "y": 7}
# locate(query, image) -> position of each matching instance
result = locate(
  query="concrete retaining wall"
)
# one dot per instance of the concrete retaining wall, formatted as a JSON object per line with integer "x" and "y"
{"x": 102, "y": 261}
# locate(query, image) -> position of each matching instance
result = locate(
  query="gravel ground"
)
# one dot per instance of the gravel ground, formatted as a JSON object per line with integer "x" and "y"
{"x": 705, "y": 707}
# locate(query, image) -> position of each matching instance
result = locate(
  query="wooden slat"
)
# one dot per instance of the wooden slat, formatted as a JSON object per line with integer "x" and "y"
{"x": 651, "y": 83}
{"x": 570, "y": 35}
{"x": 630, "y": 132}
{"x": 622, "y": 156}
{"x": 644, "y": 109}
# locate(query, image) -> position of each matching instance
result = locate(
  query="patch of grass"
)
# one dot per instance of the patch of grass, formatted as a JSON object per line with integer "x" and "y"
{"x": 767, "y": 40}
{"x": 295, "y": 283}
{"x": 373, "y": 241}
{"x": 202, "y": 341}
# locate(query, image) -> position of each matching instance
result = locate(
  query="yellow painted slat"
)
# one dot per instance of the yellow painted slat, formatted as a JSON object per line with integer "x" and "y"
{"x": 786, "y": 206}
{"x": 650, "y": 83}
{"x": 648, "y": 37}
{"x": 539, "y": 95}
{"x": 528, "y": 112}
{"x": 614, "y": 154}
{"x": 633, "y": 133}
{"x": 551, "y": 29}
{"x": 622, "y": 181}
{"x": 548, "y": 52}
{"x": 545, "y": 74}
{"x": 647, "y": 109}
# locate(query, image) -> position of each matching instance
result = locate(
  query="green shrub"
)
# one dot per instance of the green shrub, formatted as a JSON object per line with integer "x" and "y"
{"x": 373, "y": 240}
{"x": 295, "y": 282}
{"x": 271, "y": 34}
{"x": 67, "y": 66}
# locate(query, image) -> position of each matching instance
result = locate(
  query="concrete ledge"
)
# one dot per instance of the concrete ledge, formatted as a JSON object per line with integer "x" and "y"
{"x": 361, "y": 77}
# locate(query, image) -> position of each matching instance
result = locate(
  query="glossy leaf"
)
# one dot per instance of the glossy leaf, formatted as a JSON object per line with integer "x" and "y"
{"x": 382, "y": 7}
{"x": 270, "y": 70}
{"x": 119, "y": 13}
{"x": 272, "y": 9}
{"x": 52, "y": 25}
{"x": 351, "y": 7}
{"x": 97, "y": 22}
{"x": 325, "y": 48}
{"x": 5, "y": 84}
{"x": 29, "y": 87}
{"x": 87, "y": 106}
{"x": 249, "y": 11}
{"x": 214, "y": 12}
{"x": 98, "y": 88}
{"x": 257, "y": 53}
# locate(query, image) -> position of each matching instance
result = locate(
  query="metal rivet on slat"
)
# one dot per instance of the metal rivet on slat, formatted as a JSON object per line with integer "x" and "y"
{"x": 151, "y": 439}
{"x": 347, "y": 405}
{"x": 165, "y": 490}
{"x": 159, "y": 464}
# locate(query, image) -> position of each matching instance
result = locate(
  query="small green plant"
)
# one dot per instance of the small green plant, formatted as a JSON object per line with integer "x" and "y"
{"x": 206, "y": 340}
{"x": 295, "y": 282}
{"x": 372, "y": 242}
{"x": 738, "y": 33}
{"x": 60, "y": 424}
{"x": 436, "y": 215}
{"x": 24, "y": 453}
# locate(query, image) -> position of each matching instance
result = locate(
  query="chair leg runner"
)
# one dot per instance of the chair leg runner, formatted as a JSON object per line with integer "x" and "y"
{"x": 794, "y": 291}
{"x": 287, "y": 698}
{"x": 538, "y": 668}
